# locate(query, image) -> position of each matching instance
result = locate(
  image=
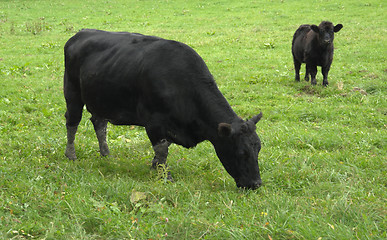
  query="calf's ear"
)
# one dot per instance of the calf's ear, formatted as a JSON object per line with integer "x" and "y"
{"x": 224, "y": 129}
{"x": 315, "y": 28}
{"x": 338, "y": 27}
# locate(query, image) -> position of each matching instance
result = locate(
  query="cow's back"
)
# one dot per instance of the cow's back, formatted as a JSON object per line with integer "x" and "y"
{"x": 301, "y": 33}
{"x": 301, "y": 39}
{"x": 89, "y": 43}
{"x": 127, "y": 78}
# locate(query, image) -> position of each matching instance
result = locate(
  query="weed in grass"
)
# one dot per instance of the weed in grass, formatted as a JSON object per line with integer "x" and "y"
{"x": 17, "y": 70}
{"x": 36, "y": 27}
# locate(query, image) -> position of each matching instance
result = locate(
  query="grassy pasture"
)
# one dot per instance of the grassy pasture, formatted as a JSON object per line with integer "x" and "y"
{"x": 323, "y": 159}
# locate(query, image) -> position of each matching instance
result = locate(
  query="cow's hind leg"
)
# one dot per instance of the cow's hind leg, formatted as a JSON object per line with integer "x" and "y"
{"x": 100, "y": 127}
{"x": 70, "y": 148}
{"x": 73, "y": 117}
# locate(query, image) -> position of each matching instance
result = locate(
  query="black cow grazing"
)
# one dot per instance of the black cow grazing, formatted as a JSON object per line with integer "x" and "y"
{"x": 314, "y": 46}
{"x": 162, "y": 85}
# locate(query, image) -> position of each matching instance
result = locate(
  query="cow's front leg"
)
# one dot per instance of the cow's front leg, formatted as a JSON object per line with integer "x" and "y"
{"x": 160, "y": 159}
{"x": 161, "y": 153}
{"x": 100, "y": 126}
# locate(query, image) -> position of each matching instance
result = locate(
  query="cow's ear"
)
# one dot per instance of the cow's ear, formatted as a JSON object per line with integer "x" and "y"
{"x": 338, "y": 27}
{"x": 315, "y": 28}
{"x": 224, "y": 129}
{"x": 256, "y": 118}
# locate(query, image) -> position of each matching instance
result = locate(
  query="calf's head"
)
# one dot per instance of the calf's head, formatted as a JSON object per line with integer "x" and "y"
{"x": 237, "y": 147}
{"x": 326, "y": 32}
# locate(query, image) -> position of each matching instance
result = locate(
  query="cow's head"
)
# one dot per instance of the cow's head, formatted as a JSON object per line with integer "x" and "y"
{"x": 326, "y": 32}
{"x": 237, "y": 147}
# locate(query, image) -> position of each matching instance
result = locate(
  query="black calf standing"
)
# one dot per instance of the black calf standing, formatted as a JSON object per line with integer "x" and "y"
{"x": 313, "y": 45}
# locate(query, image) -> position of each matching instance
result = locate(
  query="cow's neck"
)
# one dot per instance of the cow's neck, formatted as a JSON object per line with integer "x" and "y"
{"x": 216, "y": 110}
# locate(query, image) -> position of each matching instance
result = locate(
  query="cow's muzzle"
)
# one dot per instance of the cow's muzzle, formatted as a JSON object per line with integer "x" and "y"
{"x": 251, "y": 185}
{"x": 327, "y": 41}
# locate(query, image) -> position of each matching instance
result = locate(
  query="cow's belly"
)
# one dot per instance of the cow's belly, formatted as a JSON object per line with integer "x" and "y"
{"x": 117, "y": 115}
{"x": 125, "y": 118}
{"x": 115, "y": 104}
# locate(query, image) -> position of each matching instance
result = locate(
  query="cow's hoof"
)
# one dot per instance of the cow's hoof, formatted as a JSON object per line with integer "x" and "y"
{"x": 163, "y": 172}
{"x": 169, "y": 177}
{"x": 71, "y": 156}
{"x": 105, "y": 153}
{"x": 104, "y": 149}
{"x": 156, "y": 163}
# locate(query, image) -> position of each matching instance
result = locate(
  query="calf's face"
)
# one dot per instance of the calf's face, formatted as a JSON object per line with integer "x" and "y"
{"x": 326, "y": 32}
{"x": 238, "y": 149}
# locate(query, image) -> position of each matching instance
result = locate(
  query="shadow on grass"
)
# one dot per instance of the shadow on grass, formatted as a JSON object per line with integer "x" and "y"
{"x": 134, "y": 164}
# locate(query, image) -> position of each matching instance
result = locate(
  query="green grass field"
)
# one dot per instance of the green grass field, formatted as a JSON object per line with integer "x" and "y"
{"x": 323, "y": 158}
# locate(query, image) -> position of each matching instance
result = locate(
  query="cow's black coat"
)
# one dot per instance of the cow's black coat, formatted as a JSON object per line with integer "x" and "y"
{"x": 313, "y": 45}
{"x": 162, "y": 85}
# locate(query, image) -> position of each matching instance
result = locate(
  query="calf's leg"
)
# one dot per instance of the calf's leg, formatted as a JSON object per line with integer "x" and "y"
{"x": 297, "y": 66}
{"x": 306, "y": 73}
{"x": 325, "y": 71}
{"x": 312, "y": 69}
{"x": 100, "y": 126}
